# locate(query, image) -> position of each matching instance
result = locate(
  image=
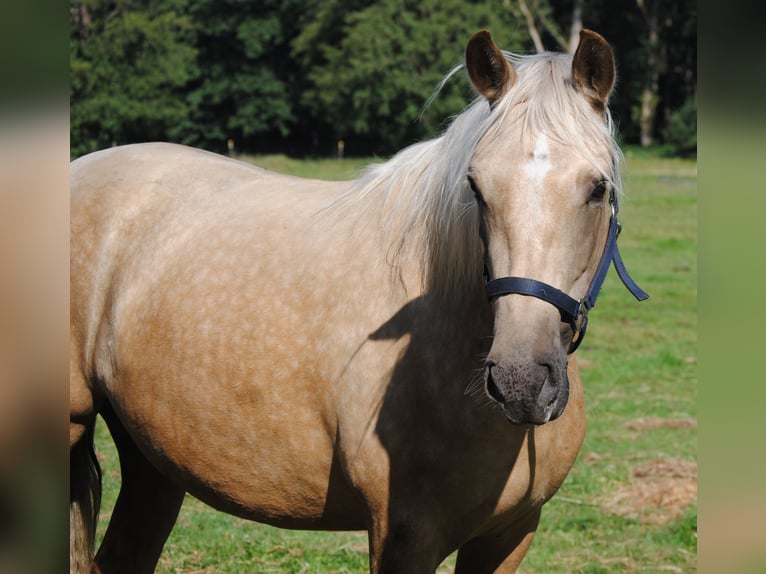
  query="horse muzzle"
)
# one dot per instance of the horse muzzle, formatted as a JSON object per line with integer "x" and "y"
{"x": 529, "y": 392}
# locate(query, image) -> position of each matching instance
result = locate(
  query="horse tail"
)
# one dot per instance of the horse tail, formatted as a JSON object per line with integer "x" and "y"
{"x": 84, "y": 502}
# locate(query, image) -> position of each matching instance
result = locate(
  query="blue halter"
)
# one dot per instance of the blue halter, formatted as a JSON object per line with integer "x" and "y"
{"x": 572, "y": 311}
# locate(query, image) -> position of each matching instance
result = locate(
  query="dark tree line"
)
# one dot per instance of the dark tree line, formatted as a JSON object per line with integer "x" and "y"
{"x": 296, "y": 76}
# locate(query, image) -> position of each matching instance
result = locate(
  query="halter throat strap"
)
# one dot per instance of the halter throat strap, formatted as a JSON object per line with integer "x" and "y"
{"x": 573, "y": 311}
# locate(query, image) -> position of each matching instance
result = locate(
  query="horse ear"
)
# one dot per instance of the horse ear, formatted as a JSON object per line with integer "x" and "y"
{"x": 593, "y": 70}
{"x": 490, "y": 72}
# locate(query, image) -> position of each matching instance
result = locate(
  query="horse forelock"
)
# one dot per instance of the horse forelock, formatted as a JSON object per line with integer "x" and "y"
{"x": 544, "y": 91}
{"x": 422, "y": 195}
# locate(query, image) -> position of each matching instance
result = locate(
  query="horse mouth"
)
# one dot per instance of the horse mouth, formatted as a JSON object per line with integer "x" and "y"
{"x": 530, "y": 421}
{"x": 531, "y": 411}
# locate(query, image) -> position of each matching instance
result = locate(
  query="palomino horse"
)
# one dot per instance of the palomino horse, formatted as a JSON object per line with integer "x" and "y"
{"x": 392, "y": 354}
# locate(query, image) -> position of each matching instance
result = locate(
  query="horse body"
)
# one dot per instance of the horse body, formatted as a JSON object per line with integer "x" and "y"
{"x": 256, "y": 340}
{"x": 168, "y": 312}
{"x": 187, "y": 338}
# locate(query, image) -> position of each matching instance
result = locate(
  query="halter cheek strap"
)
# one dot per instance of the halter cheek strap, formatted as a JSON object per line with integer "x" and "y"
{"x": 573, "y": 311}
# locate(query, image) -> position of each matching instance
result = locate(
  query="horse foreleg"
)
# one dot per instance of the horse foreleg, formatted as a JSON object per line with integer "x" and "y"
{"x": 405, "y": 545}
{"x": 498, "y": 554}
{"x": 145, "y": 512}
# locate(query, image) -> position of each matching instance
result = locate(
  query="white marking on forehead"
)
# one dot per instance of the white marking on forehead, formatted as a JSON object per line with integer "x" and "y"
{"x": 532, "y": 198}
{"x": 540, "y": 164}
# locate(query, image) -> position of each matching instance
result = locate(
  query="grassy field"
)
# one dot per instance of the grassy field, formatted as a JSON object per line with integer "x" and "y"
{"x": 629, "y": 504}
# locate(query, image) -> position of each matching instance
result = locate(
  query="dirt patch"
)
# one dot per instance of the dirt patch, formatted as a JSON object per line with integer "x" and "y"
{"x": 655, "y": 423}
{"x": 660, "y": 490}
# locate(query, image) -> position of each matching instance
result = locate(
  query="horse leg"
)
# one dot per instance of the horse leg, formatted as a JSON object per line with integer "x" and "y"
{"x": 84, "y": 473}
{"x": 404, "y": 545}
{"x": 498, "y": 554}
{"x": 84, "y": 496}
{"x": 145, "y": 512}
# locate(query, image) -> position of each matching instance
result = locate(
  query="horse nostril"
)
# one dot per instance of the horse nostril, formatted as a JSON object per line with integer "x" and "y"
{"x": 492, "y": 389}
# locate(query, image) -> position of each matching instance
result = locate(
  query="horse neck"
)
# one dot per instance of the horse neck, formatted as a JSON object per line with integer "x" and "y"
{"x": 428, "y": 221}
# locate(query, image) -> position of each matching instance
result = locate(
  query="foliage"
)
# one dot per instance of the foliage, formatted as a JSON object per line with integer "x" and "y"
{"x": 295, "y": 76}
{"x": 370, "y": 85}
{"x": 128, "y": 72}
{"x": 682, "y": 129}
{"x": 243, "y": 87}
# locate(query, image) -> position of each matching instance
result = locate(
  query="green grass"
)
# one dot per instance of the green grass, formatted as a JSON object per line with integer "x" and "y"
{"x": 346, "y": 168}
{"x": 639, "y": 363}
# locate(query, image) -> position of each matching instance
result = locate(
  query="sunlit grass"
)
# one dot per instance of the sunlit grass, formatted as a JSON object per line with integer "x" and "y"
{"x": 333, "y": 169}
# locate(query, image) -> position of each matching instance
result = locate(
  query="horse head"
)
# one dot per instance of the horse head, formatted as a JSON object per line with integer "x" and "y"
{"x": 544, "y": 176}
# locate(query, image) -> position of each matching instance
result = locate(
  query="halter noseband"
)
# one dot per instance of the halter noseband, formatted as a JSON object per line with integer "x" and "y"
{"x": 572, "y": 311}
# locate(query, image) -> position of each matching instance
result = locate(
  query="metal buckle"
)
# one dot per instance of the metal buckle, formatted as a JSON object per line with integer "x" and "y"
{"x": 582, "y": 317}
{"x": 579, "y": 325}
{"x": 613, "y": 204}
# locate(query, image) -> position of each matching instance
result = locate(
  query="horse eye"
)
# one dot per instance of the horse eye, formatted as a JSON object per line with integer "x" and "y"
{"x": 476, "y": 193}
{"x": 598, "y": 192}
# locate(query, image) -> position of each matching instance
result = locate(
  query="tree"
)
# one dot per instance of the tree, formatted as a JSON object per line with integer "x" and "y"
{"x": 129, "y": 64}
{"x": 243, "y": 91}
{"x": 369, "y": 85}
{"x": 663, "y": 65}
{"x": 655, "y": 47}
{"x": 298, "y": 75}
{"x": 542, "y": 12}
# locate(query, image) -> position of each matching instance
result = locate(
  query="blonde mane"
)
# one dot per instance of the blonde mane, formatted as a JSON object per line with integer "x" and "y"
{"x": 422, "y": 192}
